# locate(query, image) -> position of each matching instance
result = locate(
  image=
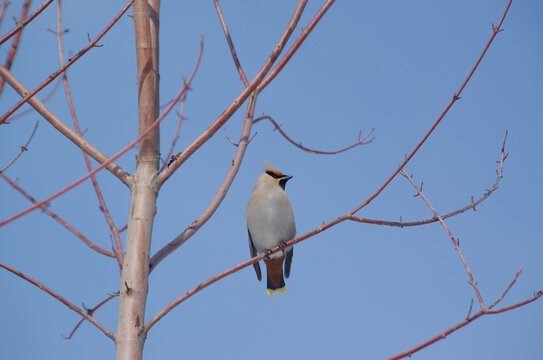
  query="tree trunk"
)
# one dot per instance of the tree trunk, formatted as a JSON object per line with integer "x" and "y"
{"x": 130, "y": 336}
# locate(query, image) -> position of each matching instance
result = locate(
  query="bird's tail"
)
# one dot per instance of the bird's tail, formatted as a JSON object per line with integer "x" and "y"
{"x": 276, "y": 282}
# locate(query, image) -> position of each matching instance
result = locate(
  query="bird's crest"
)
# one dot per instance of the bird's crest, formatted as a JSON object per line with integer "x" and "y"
{"x": 270, "y": 169}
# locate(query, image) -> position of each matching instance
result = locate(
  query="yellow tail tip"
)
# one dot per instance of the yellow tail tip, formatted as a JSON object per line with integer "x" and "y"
{"x": 275, "y": 291}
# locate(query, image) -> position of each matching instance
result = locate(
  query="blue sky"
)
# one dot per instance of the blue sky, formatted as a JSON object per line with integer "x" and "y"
{"x": 356, "y": 290}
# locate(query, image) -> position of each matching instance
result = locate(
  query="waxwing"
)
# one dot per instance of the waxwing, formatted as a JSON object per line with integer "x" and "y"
{"x": 270, "y": 222}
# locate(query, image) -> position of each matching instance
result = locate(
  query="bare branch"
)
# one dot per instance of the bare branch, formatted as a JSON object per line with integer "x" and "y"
{"x": 235, "y": 143}
{"x": 103, "y": 205}
{"x": 116, "y": 156}
{"x": 5, "y": 4}
{"x": 472, "y": 205}
{"x": 229, "y": 138}
{"x": 28, "y": 95}
{"x": 23, "y": 148}
{"x": 60, "y": 220}
{"x": 91, "y": 319}
{"x": 296, "y": 45}
{"x": 507, "y": 288}
{"x": 238, "y": 101}
{"x": 46, "y": 98}
{"x": 454, "y": 241}
{"x": 176, "y": 135}
{"x": 90, "y": 312}
{"x": 360, "y": 141}
{"x": 15, "y": 43}
{"x": 495, "y": 31}
{"x": 230, "y": 43}
{"x": 536, "y": 296}
{"x": 25, "y": 22}
{"x": 470, "y": 308}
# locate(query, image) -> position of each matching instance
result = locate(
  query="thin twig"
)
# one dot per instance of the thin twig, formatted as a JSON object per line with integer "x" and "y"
{"x": 54, "y": 75}
{"x": 361, "y": 140}
{"x": 454, "y": 241}
{"x": 57, "y": 218}
{"x": 116, "y": 156}
{"x": 25, "y": 22}
{"x": 14, "y": 44}
{"x": 23, "y": 148}
{"x": 103, "y": 206}
{"x": 36, "y": 283}
{"x": 169, "y": 102}
{"x": 472, "y": 205}
{"x": 229, "y": 138}
{"x": 90, "y": 312}
{"x": 230, "y": 43}
{"x": 296, "y": 44}
{"x": 536, "y": 296}
{"x": 176, "y": 135}
{"x": 235, "y": 143}
{"x": 31, "y": 109}
{"x": 470, "y": 308}
{"x": 5, "y": 4}
{"x": 507, "y": 288}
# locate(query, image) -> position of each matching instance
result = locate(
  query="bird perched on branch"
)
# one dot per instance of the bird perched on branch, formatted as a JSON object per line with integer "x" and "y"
{"x": 270, "y": 222}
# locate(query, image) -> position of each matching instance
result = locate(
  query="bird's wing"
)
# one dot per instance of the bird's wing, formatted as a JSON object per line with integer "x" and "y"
{"x": 256, "y": 265}
{"x": 288, "y": 261}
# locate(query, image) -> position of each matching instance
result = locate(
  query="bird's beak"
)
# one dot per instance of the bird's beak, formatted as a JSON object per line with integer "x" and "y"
{"x": 287, "y": 177}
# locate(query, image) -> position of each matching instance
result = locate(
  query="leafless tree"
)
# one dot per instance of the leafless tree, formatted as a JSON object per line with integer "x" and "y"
{"x": 135, "y": 259}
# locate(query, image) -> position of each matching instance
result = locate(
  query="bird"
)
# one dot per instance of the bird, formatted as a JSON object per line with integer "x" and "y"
{"x": 270, "y": 222}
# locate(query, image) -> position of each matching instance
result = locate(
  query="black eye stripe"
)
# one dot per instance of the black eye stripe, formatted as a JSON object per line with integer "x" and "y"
{"x": 274, "y": 175}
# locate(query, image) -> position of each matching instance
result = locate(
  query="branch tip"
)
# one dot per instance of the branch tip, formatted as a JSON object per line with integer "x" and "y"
{"x": 470, "y": 308}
